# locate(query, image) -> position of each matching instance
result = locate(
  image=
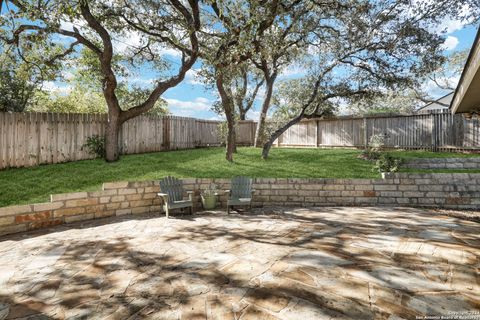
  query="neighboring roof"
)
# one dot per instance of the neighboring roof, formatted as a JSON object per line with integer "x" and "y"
{"x": 441, "y": 103}
{"x": 467, "y": 94}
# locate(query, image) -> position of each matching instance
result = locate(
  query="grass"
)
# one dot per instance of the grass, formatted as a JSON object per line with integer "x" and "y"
{"x": 31, "y": 185}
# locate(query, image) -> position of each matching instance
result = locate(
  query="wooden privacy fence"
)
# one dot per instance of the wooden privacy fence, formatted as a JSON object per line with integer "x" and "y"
{"x": 435, "y": 131}
{"x": 28, "y": 139}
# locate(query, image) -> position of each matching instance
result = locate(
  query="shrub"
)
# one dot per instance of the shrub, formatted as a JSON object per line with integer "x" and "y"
{"x": 387, "y": 163}
{"x": 375, "y": 145}
{"x": 95, "y": 145}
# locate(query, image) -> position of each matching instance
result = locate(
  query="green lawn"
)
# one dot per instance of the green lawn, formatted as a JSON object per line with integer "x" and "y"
{"x": 30, "y": 185}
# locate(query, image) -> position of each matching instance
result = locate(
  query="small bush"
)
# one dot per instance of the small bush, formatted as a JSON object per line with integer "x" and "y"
{"x": 375, "y": 146}
{"x": 387, "y": 163}
{"x": 371, "y": 154}
{"x": 95, "y": 145}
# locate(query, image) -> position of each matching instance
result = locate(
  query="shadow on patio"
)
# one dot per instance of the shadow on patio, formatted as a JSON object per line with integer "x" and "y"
{"x": 278, "y": 263}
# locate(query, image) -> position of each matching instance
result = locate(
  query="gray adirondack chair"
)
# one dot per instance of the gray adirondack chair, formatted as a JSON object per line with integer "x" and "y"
{"x": 241, "y": 193}
{"x": 172, "y": 195}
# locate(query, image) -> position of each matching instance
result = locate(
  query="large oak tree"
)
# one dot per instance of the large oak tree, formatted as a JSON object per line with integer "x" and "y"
{"x": 62, "y": 26}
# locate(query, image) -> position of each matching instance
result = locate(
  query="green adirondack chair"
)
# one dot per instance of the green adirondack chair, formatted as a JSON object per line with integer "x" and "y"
{"x": 241, "y": 193}
{"x": 172, "y": 195}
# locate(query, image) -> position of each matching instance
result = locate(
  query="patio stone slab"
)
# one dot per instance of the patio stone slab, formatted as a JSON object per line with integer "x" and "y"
{"x": 273, "y": 263}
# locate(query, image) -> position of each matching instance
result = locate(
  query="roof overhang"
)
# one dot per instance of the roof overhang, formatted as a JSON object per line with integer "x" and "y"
{"x": 467, "y": 94}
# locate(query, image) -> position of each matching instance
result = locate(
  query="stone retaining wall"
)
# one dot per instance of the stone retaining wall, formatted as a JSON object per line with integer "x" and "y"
{"x": 456, "y": 191}
{"x": 444, "y": 163}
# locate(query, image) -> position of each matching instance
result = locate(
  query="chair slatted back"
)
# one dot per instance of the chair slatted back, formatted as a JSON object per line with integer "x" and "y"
{"x": 241, "y": 187}
{"x": 173, "y": 187}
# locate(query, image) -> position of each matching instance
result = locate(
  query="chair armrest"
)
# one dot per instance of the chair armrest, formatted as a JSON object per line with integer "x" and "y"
{"x": 253, "y": 191}
{"x": 227, "y": 191}
{"x": 189, "y": 195}
{"x": 163, "y": 195}
{"x": 188, "y": 192}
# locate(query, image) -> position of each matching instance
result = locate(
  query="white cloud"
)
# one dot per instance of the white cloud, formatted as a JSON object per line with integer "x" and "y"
{"x": 198, "y": 104}
{"x": 450, "y": 43}
{"x": 191, "y": 77}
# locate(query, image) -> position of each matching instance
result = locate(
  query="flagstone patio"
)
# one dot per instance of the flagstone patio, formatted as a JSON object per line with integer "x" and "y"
{"x": 321, "y": 263}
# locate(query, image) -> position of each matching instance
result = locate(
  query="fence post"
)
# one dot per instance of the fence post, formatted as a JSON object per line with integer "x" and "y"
{"x": 317, "y": 137}
{"x": 166, "y": 132}
{"x": 365, "y": 132}
{"x": 434, "y": 133}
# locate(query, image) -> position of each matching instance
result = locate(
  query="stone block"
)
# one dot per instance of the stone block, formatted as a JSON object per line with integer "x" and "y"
{"x": 127, "y": 191}
{"x": 132, "y": 197}
{"x": 12, "y": 229}
{"x": 102, "y": 193}
{"x": 288, "y": 192}
{"x": 334, "y": 187}
{"x": 278, "y": 198}
{"x": 369, "y": 193}
{"x": 391, "y": 194}
{"x": 365, "y": 200}
{"x": 307, "y": 193}
{"x": 7, "y": 220}
{"x": 82, "y": 217}
{"x": 149, "y": 196}
{"x": 140, "y": 184}
{"x": 104, "y": 214}
{"x": 113, "y": 205}
{"x": 430, "y": 187}
{"x": 68, "y": 196}
{"x": 37, "y": 216}
{"x": 47, "y": 206}
{"x": 115, "y": 185}
{"x": 156, "y": 209}
{"x": 312, "y": 199}
{"x": 154, "y": 189}
{"x": 81, "y": 202}
{"x": 363, "y": 187}
{"x": 457, "y": 200}
{"x": 104, "y": 199}
{"x": 426, "y": 200}
{"x": 385, "y": 187}
{"x": 13, "y": 210}
{"x": 44, "y": 224}
{"x": 295, "y": 199}
{"x": 117, "y": 199}
{"x": 412, "y": 187}
{"x": 68, "y": 212}
{"x": 140, "y": 203}
{"x": 95, "y": 209}
{"x": 351, "y": 193}
{"x": 411, "y": 194}
{"x": 435, "y": 195}
{"x": 139, "y": 210}
{"x": 122, "y": 212}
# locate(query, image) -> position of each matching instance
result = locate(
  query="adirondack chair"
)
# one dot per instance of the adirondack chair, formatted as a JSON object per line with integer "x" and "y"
{"x": 241, "y": 193}
{"x": 172, "y": 195}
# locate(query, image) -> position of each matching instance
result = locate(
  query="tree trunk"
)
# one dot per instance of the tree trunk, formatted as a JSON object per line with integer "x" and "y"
{"x": 230, "y": 138}
{"x": 260, "y": 133}
{"x": 268, "y": 144}
{"x": 112, "y": 152}
{"x": 242, "y": 113}
{"x": 229, "y": 109}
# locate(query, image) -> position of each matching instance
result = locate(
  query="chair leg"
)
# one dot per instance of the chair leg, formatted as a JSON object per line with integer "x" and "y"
{"x": 228, "y": 209}
{"x": 166, "y": 211}
{"x": 191, "y": 210}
